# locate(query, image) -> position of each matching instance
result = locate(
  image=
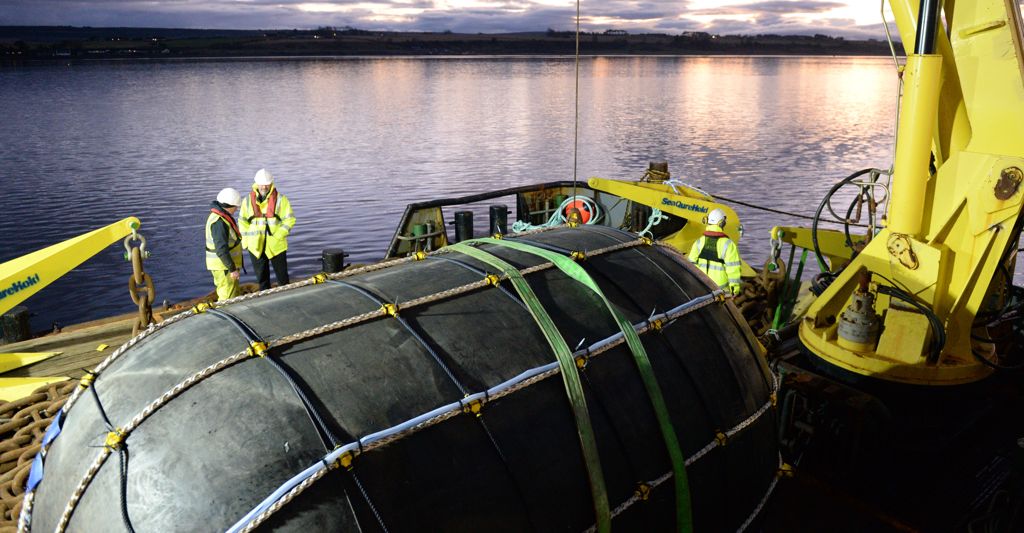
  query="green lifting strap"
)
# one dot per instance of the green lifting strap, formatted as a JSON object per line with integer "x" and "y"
{"x": 684, "y": 516}
{"x": 570, "y": 377}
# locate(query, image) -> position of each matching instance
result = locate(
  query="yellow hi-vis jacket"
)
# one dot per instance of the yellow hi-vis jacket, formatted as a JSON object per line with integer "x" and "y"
{"x": 234, "y": 244}
{"x": 265, "y": 234}
{"x": 722, "y": 264}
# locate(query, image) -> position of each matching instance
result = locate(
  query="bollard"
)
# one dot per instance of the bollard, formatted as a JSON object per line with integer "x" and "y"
{"x": 16, "y": 325}
{"x": 463, "y": 225}
{"x": 333, "y": 260}
{"x": 499, "y": 219}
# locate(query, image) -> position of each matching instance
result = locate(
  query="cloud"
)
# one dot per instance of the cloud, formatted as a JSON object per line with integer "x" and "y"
{"x": 782, "y": 7}
{"x": 488, "y": 16}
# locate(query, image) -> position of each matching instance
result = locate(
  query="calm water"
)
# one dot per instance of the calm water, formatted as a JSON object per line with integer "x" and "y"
{"x": 351, "y": 141}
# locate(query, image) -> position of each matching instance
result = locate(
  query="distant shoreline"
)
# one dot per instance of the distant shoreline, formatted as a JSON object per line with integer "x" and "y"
{"x": 22, "y": 43}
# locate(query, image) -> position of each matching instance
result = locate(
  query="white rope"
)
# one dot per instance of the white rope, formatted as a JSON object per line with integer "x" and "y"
{"x": 656, "y": 217}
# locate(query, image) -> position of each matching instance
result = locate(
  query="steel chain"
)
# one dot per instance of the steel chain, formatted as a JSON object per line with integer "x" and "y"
{"x": 140, "y": 284}
{"x": 23, "y": 424}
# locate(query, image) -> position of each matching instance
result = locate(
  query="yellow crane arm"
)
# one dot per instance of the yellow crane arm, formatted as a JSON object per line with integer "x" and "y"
{"x": 681, "y": 202}
{"x": 831, "y": 243}
{"x": 26, "y": 275}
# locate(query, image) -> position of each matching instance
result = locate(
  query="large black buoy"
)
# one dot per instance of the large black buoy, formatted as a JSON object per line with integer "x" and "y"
{"x": 439, "y": 396}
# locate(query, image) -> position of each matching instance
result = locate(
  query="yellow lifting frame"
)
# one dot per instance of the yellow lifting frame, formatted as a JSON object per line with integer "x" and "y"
{"x": 948, "y": 230}
{"x": 24, "y": 276}
{"x": 681, "y": 201}
{"x": 832, "y": 243}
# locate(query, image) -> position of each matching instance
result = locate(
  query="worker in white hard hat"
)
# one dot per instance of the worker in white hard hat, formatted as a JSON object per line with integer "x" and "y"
{"x": 224, "y": 243}
{"x": 716, "y": 254}
{"x": 266, "y": 220}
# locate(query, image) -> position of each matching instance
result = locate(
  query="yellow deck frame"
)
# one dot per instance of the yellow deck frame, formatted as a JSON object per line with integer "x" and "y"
{"x": 964, "y": 106}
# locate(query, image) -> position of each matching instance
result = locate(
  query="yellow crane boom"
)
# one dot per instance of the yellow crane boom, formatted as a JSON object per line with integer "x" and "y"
{"x": 24, "y": 276}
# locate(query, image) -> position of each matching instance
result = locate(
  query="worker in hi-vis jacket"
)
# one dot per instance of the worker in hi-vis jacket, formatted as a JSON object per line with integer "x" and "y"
{"x": 266, "y": 220}
{"x": 716, "y": 254}
{"x": 224, "y": 243}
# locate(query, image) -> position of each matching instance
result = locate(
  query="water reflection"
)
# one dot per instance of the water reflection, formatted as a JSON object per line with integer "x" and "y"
{"x": 351, "y": 141}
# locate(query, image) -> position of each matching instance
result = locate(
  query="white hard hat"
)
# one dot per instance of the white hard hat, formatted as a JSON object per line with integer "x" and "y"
{"x": 263, "y": 177}
{"x": 716, "y": 218}
{"x": 229, "y": 197}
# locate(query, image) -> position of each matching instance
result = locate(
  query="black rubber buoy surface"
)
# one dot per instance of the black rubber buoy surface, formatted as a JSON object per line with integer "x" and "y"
{"x": 212, "y": 453}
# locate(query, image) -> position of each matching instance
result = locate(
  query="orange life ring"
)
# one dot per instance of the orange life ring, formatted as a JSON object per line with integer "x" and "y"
{"x": 583, "y": 208}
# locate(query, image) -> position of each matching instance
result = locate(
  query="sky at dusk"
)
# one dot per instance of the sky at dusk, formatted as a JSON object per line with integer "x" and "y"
{"x": 847, "y": 18}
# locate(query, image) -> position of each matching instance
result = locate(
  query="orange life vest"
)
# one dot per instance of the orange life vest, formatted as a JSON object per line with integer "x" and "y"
{"x": 271, "y": 205}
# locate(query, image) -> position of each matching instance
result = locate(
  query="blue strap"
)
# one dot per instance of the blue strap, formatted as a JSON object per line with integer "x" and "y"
{"x": 35, "y": 473}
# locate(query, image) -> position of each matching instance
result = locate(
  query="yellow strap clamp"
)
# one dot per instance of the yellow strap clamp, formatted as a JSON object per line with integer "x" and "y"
{"x": 722, "y": 438}
{"x": 474, "y": 407}
{"x": 643, "y": 491}
{"x": 786, "y": 470}
{"x": 390, "y": 309}
{"x": 87, "y": 380}
{"x": 493, "y": 279}
{"x": 202, "y": 307}
{"x": 318, "y": 279}
{"x": 115, "y": 439}
{"x": 419, "y": 256}
{"x": 345, "y": 461}
{"x": 258, "y": 349}
{"x": 577, "y": 255}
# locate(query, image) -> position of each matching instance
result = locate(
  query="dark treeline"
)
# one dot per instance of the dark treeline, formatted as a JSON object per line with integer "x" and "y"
{"x": 63, "y": 42}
